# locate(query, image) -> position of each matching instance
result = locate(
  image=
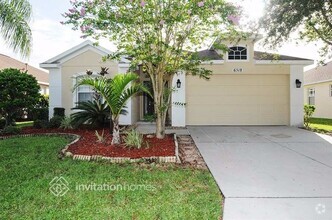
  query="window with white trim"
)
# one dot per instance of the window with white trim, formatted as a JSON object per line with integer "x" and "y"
{"x": 331, "y": 90}
{"x": 83, "y": 93}
{"x": 237, "y": 53}
{"x": 311, "y": 96}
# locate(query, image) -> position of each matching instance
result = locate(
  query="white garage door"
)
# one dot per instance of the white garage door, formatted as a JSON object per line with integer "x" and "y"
{"x": 238, "y": 100}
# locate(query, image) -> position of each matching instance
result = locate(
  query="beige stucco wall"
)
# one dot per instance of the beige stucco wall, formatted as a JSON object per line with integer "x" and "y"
{"x": 79, "y": 64}
{"x": 323, "y": 100}
{"x": 248, "y": 67}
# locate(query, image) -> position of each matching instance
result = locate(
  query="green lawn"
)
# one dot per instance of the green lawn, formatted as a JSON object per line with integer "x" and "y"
{"x": 27, "y": 165}
{"x": 321, "y": 123}
{"x": 24, "y": 124}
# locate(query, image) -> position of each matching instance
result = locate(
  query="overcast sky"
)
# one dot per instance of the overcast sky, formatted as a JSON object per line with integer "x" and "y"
{"x": 50, "y": 38}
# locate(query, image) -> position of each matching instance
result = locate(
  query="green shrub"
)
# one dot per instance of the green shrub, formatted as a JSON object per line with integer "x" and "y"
{"x": 66, "y": 123}
{"x": 133, "y": 139}
{"x": 150, "y": 118}
{"x": 59, "y": 112}
{"x": 11, "y": 130}
{"x": 19, "y": 91}
{"x": 92, "y": 113}
{"x": 41, "y": 124}
{"x": 55, "y": 122}
{"x": 2, "y": 123}
{"x": 308, "y": 112}
{"x": 39, "y": 114}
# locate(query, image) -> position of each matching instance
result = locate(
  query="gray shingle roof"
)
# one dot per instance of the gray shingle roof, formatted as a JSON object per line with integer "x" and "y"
{"x": 209, "y": 55}
{"x": 319, "y": 74}
{"x": 258, "y": 55}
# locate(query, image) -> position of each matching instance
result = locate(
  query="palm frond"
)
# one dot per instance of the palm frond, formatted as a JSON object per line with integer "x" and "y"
{"x": 116, "y": 91}
{"x": 14, "y": 18}
{"x": 90, "y": 112}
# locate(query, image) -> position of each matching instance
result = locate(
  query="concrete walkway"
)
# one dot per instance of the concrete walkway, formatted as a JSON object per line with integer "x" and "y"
{"x": 269, "y": 172}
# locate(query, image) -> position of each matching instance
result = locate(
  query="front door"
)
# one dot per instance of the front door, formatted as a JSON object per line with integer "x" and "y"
{"x": 148, "y": 104}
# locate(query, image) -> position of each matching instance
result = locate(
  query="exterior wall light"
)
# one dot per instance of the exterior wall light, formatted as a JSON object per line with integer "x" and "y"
{"x": 178, "y": 84}
{"x": 298, "y": 83}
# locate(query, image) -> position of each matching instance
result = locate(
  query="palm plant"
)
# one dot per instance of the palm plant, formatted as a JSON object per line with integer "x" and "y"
{"x": 14, "y": 18}
{"x": 116, "y": 93}
{"x": 91, "y": 112}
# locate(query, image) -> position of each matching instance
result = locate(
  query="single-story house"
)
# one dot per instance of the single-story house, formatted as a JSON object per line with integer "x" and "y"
{"x": 318, "y": 90}
{"x": 40, "y": 75}
{"x": 246, "y": 88}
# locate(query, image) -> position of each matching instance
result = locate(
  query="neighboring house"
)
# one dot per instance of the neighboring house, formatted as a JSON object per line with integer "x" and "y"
{"x": 40, "y": 75}
{"x": 246, "y": 88}
{"x": 318, "y": 90}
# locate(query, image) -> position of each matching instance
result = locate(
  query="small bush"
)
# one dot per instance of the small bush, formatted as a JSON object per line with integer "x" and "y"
{"x": 55, "y": 122}
{"x": 100, "y": 137}
{"x": 150, "y": 118}
{"x": 308, "y": 112}
{"x": 59, "y": 112}
{"x": 66, "y": 123}
{"x": 2, "y": 123}
{"x": 39, "y": 114}
{"x": 41, "y": 124}
{"x": 11, "y": 130}
{"x": 133, "y": 139}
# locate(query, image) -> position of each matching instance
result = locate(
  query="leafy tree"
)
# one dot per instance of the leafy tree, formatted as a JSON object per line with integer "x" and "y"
{"x": 116, "y": 93}
{"x": 18, "y": 90}
{"x": 14, "y": 18}
{"x": 312, "y": 17}
{"x": 158, "y": 35}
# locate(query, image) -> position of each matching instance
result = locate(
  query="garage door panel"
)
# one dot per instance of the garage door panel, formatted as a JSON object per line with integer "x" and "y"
{"x": 274, "y": 80}
{"x": 274, "y": 90}
{"x": 227, "y": 100}
{"x": 215, "y": 90}
{"x": 274, "y": 100}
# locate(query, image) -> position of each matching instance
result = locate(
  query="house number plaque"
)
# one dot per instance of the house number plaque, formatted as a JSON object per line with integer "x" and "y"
{"x": 237, "y": 70}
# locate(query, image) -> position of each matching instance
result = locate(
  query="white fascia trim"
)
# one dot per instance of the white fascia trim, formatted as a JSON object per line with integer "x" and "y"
{"x": 80, "y": 51}
{"x": 124, "y": 65}
{"x": 49, "y": 65}
{"x": 73, "y": 49}
{"x": 323, "y": 81}
{"x": 286, "y": 62}
{"x": 217, "y": 62}
{"x": 43, "y": 83}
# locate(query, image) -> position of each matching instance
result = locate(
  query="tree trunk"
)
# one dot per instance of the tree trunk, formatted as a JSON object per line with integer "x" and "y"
{"x": 116, "y": 131}
{"x": 111, "y": 124}
{"x": 158, "y": 100}
{"x": 160, "y": 128}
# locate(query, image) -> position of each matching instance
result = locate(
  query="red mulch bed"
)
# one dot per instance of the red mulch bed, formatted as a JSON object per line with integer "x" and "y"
{"x": 88, "y": 145}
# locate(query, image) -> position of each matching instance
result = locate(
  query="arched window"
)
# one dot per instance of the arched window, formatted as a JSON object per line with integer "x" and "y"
{"x": 83, "y": 93}
{"x": 237, "y": 53}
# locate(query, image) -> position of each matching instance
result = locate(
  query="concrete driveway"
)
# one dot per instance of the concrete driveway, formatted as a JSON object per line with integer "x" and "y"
{"x": 269, "y": 172}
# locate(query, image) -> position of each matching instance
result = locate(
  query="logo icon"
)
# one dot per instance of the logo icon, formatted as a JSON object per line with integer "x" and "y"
{"x": 59, "y": 186}
{"x": 320, "y": 209}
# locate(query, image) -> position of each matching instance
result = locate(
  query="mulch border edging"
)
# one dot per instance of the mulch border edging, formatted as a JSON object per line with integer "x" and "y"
{"x": 66, "y": 153}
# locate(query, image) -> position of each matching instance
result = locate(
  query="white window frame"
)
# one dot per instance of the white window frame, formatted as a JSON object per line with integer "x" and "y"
{"x": 330, "y": 90}
{"x": 239, "y": 45}
{"x": 311, "y": 94}
{"x": 76, "y": 92}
